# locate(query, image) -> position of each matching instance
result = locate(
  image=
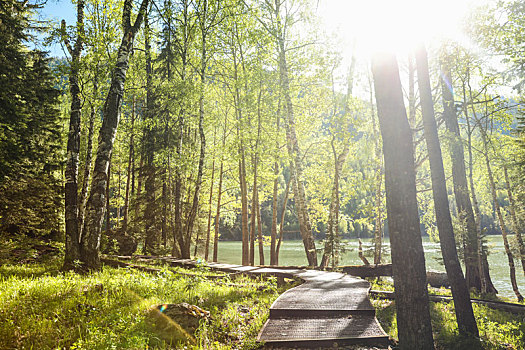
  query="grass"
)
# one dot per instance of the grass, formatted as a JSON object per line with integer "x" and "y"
{"x": 42, "y": 308}
{"x": 497, "y": 329}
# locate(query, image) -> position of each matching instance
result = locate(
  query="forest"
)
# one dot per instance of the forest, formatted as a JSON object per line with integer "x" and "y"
{"x": 308, "y": 133}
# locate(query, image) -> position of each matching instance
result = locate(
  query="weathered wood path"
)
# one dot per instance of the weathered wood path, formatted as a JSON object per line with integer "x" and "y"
{"x": 329, "y": 309}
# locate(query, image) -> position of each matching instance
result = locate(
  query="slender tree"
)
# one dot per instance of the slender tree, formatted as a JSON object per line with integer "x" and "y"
{"x": 464, "y": 313}
{"x": 111, "y": 114}
{"x": 72, "y": 252}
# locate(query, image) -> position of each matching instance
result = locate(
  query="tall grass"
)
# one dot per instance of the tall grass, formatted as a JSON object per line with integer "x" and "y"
{"x": 41, "y": 308}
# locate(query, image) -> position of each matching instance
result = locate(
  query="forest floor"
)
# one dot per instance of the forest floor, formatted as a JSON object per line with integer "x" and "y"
{"x": 43, "y": 308}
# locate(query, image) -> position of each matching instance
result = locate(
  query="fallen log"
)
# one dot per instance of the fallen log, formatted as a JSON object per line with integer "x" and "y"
{"x": 368, "y": 270}
{"x": 496, "y": 305}
{"x": 116, "y": 263}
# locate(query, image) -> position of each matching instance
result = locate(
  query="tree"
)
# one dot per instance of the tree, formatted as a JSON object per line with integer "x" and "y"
{"x": 473, "y": 258}
{"x": 30, "y": 130}
{"x": 408, "y": 261}
{"x": 464, "y": 313}
{"x": 95, "y": 207}
{"x": 296, "y": 162}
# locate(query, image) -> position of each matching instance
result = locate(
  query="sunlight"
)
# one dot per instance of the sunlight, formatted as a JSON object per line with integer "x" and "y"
{"x": 393, "y": 25}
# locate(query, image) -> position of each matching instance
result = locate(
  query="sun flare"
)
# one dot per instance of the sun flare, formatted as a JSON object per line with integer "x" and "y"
{"x": 378, "y": 25}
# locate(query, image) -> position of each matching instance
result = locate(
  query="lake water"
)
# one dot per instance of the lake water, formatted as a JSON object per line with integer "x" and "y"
{"x": 292, "y": 253}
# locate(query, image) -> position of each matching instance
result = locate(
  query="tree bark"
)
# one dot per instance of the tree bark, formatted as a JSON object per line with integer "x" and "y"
{"x": 378, "y": 222}
{"x": 497, "y": 208}
{"x": 281, "y": 225}
{"x": 208, "y": 230}
{"x": 151, "y": 243}
{"x": 296, "y": 163}
{"x": 218, "y": 215}
{"x": 87, "y": 166}
{"x": 273, "y": 239}
{"x": 129, "y": 171}
{"x": 408, "y": 260}
{"x": 253, "y": 214}
{"x": 72, "y": 252}
{"x": 486, "y": 282}
{"x": 219, "y": 194}
{"x": 463, "y": 308}
{"x": 111, "y": 114}
{"x": 459, "y": 178}
{"x": 244, "y": 211}
{"x": 259, "y": 230}
{"x": 331, "y": 241}
{"x": 202, "y": 154}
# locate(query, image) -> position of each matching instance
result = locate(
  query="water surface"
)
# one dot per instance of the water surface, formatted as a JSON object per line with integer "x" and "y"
{"x": 292, "y": 253}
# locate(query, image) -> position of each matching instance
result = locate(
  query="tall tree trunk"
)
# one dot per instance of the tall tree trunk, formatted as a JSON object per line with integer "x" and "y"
{"x": 202, "y": 154}
{"x": 330, "y": 248}
{"x": 72, "y": 252}
{"x": 408, "y": 260}
{"x": 219, "y": 194}
{"x": 108, "y": 197}
{"x": 296, "y": 163}
{"x": 514, "y": 218}
{"x": 253, "y": 213}
{"x": 129, "y": 171}
{"x": 218, "y": 215}
{"x": 87, "y": 167}
{"x": 332, "y": 240}
{"x": 378, "y": 229}
{"x": 178, "y": 237}
{"x": 281, "y": 225}
{"x": 208, "y": 230}
{"x": 459, "y": 178}
{"x": 460, "y": 293}
{"x": 273, "y": 239}
{"x": 486, "y": 282}
{"x": 259, "y": 230}
{"x": 497, "y": 208}
{"x": 151, "y": 243}
{"x": 111, "y": 114}
{"x": 244, "y": 211}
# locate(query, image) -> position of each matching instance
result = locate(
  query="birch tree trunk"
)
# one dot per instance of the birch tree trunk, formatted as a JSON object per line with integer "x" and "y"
{"x": 486, "y": 282}
{"x": 219, "y": 194}
{"x": 208, "y": 230}
{"x": 90, "y": 245}
{"x": 281, "y": 225}
{"x": 72, "y": 252}
{"x": 503, "y": 227}
{"x": 129, "y": 171}
{"x": 87, "y": 168}
{"x": 253, "y": 213}
{"x": 296, "y": 163}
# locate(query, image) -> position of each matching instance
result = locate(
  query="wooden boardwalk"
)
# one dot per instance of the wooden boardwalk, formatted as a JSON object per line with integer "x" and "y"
{"x": 329, "y": 309}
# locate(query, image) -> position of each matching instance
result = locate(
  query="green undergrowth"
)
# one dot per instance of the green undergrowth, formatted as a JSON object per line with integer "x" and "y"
{"x": 42, "y": 308}
{"x": 497, "y": 329}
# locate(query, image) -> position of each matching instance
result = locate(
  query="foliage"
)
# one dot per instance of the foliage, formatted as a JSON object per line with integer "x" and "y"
{"x": 30, "y": 131}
